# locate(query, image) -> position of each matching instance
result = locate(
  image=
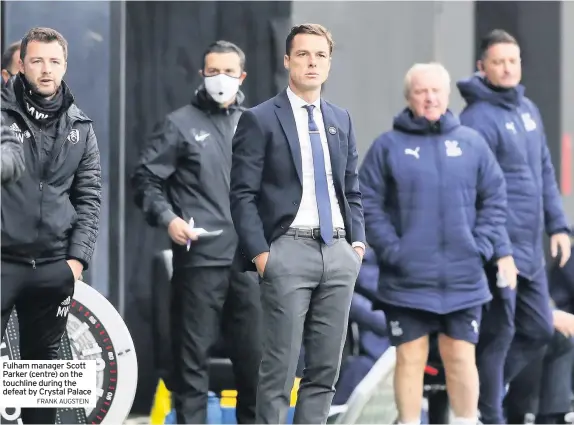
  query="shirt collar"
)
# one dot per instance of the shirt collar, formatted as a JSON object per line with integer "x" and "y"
{"x": 298, "y": 103}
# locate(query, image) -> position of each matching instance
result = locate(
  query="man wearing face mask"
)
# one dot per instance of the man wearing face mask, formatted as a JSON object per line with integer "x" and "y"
{"x": 183, "y": 174}
{"x": 50, "y": 214}
{"x": 435, "y": 209}
{"x": 511, "y": 124}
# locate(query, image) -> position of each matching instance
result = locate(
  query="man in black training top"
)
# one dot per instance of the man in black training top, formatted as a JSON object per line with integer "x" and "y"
{"x": 50, "y": 215}
{"x": 184, "y": 174}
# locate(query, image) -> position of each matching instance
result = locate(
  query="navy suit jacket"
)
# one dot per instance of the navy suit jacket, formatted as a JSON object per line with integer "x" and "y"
{"x": 266, "y": 174}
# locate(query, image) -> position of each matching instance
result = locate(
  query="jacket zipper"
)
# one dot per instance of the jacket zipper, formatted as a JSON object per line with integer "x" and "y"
{"x": 42, "y": 166}
{"x": 540, "y": 190}
{"x": 37, "y": 141}
{"x": 442, "y": 284}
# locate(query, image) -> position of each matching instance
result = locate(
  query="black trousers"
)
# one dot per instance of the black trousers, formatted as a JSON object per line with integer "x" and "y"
{"x": 206, "y": 301}
{"x": 543, "y": 387}
{"x": 41, "y": 296}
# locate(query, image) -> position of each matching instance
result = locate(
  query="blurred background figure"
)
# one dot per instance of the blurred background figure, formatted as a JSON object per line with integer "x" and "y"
{"x": 183, "y": 178}
{"x": 10, "y": 58}
{"x": 512, "y": 125}
{"x": 430, "y": 168}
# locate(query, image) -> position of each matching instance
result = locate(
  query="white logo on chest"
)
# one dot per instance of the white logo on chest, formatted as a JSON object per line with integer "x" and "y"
{"x": 74, "y": 136}
{"x": 413, "y": 152}
{"x": 529, "y": 123}
{"x": 452, "y": 148}
{"x": 200, "y": 136}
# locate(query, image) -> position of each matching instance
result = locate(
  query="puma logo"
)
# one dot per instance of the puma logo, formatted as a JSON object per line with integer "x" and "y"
{"x": 413, "y": 152}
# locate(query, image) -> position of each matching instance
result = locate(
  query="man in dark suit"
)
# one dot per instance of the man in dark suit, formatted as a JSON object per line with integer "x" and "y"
{"x": 297, "y": 209}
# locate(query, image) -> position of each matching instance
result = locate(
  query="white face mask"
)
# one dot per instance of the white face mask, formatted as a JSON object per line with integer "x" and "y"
{"x": 221, "y": 87}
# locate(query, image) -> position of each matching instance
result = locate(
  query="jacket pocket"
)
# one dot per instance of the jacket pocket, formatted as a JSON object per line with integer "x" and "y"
{"x": 266, "y": 270}
{"x": 68, "y": 273}
{"x": 58, "y": 215}
{"x": 476, "y": 246}
{"x": 394, "y": 256}
{"x": 468, "y": 244}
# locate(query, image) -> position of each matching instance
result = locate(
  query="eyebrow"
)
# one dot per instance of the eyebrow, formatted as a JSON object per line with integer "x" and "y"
{"x": 215, "y": 68}
{"x": 307, "y": 51}
{"x": 40, "y": 57}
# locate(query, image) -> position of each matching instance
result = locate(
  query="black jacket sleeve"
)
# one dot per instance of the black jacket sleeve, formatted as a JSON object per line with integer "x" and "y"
{"x": 86, "y": 197}
{"x": 12, "y": 165}
{"x": 157, "y": 163}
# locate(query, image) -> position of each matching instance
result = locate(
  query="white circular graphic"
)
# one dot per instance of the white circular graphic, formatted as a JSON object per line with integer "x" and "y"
{"x": 95, "y": 331}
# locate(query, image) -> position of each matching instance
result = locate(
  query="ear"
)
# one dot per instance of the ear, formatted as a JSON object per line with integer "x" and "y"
{"x": 200, "y": 72}
{"x": 242, "y": 77}
{"x": 20, "y": 66}
{"x": 480, "y": 65}
{"x": 286, "y": 61}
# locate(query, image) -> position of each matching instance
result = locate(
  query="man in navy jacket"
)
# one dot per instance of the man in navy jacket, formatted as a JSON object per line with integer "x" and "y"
{"x": 512, "y": 126}
{"x": 434, "y": 202}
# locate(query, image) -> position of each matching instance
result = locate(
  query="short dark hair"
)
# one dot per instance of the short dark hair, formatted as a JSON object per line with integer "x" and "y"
{"x": 43, "y": 35}
{"x": 222, "y": 46}
{"x": 9, "y": 54}
{"x": 495, "y": 37}
{"x": 313, "y": 29}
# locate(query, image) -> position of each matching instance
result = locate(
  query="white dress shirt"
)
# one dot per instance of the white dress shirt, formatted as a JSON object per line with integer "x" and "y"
{"x": 308, "y": 213}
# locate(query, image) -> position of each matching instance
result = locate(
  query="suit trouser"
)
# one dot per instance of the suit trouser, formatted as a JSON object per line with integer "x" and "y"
{"x": 306, "y": 292}
{"x": 515, "y": 328}
{"x": 42, "y": 297}
{"x": 544, "y": 385}
{"x": 204, "y": 301}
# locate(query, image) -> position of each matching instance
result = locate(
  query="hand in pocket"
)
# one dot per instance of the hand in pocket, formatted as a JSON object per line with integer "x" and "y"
{"x": 76, "y": 268}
